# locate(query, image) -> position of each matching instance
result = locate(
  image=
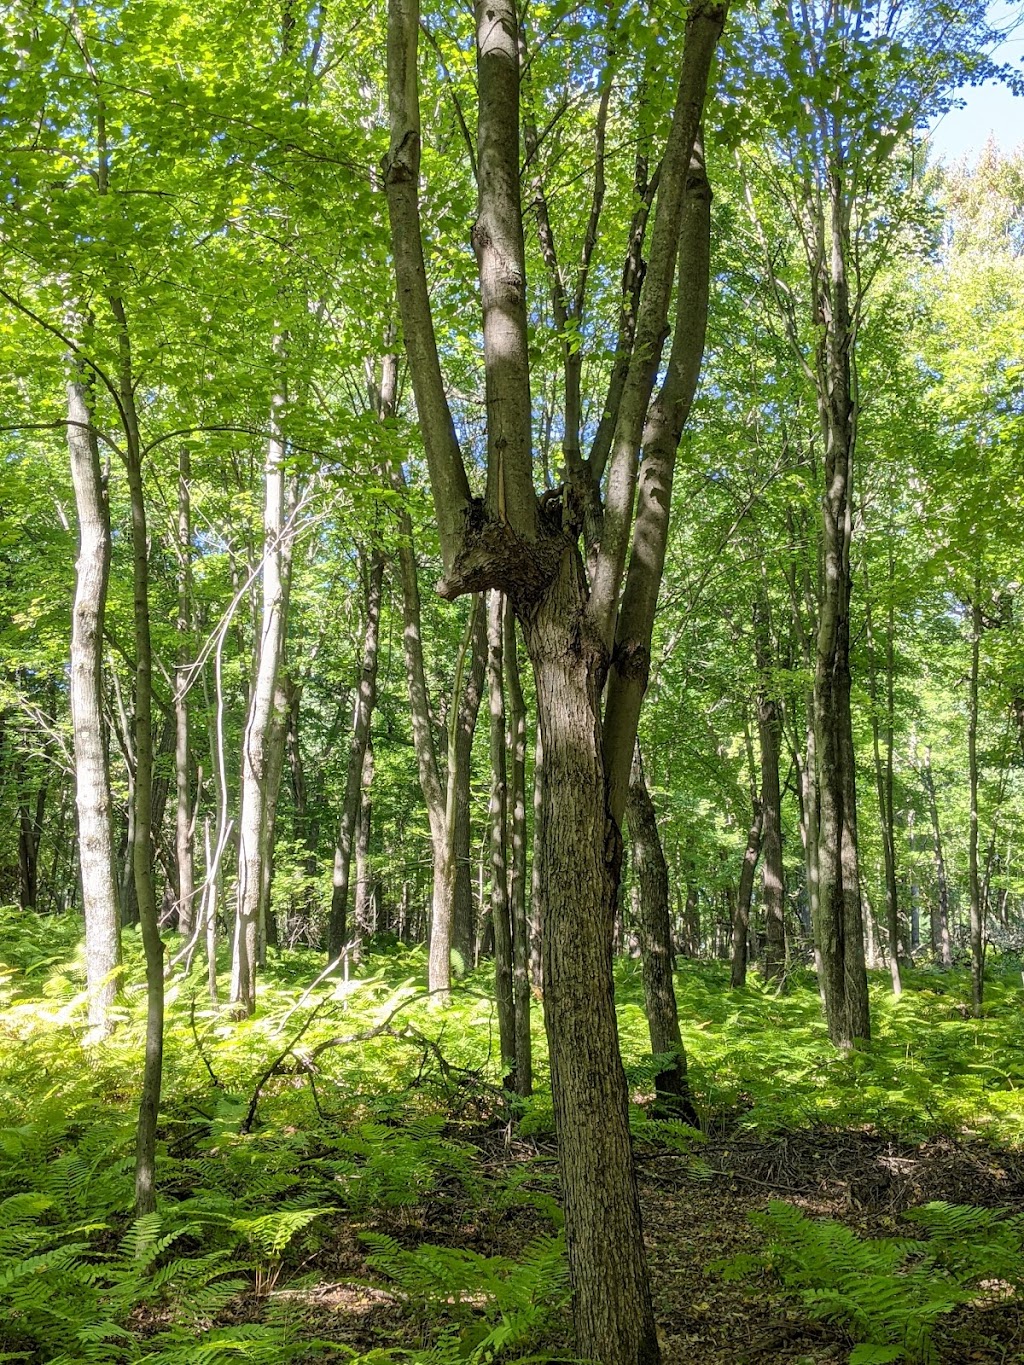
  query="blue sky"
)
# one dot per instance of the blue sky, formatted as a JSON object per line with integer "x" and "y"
{"x": 990, "y": 110}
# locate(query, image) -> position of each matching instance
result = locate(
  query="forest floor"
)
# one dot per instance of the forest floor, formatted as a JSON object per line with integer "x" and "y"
{"x": 354, "y": 1202}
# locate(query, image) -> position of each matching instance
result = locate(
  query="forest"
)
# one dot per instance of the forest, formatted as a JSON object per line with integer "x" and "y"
{"x": 511, "y": 684}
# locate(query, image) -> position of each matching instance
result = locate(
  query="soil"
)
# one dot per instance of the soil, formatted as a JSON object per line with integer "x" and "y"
{"x": 696, "y": 1215}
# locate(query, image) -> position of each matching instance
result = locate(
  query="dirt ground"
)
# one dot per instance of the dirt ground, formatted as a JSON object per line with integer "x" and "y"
{"x": 693, "y": 1219}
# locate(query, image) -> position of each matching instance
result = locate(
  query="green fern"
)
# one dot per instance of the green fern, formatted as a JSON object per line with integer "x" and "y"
{"x": 497, "y": 1304}
{"x": 889, "y": 1292}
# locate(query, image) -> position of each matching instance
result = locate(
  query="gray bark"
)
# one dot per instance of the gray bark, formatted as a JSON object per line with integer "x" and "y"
{"x": 253, "y": 848}
{"x": 92, "y": 777}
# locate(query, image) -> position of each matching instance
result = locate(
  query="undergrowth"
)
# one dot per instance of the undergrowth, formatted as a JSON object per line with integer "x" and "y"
{"x": 359, "y": 1108}
{"x": 890, "y": 1292}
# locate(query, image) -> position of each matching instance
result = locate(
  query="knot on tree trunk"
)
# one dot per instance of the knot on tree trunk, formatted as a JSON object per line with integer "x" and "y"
{"x": 632, "y": 660}
{"x": 492, "y": 555}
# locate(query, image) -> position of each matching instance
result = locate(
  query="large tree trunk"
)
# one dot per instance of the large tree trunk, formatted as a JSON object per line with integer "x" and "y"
{"x": 655, "y": 929}
{"x": 581, "y": 851}
{"x": 840, "y": 932}
{"x": 366, "y": 699}
{"x": 253, "y": 847}
{"x": 92, "y": 777}
{"x": 498, "y": 821}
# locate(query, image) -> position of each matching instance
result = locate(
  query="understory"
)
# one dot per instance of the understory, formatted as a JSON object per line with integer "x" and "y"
{"x": 343, "y": 1176}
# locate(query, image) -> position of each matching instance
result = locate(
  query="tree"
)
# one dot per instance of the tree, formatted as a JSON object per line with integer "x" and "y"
{"x": 577, "y": 631}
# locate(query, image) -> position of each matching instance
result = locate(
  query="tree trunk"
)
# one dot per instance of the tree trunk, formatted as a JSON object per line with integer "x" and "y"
{"x": 940, "y": 919}
{"x": 252, "y": 818}
{"x": 537, "y": 866}
{"x": 183, "y": 828}
{"x": 366, "y": 700}
{"x": 498, "y": 822}
{"x": 142, "y": 838}
{"x": 741, "y": 910}
{"x": 884, "y": 783}
{"x": 516, "y": 744}
{"x": 92, "y": 777}
{"x": 364, "y": 888}
{"x": 464, "y": 916}
{"x": 266, "y": 920}
{"x": 655, "y": 929}
{"x": 581, "y": 850}
{"x": 977, "y": 917}
{"x": 840, "y": 932}
{"x": 772, "y": 875}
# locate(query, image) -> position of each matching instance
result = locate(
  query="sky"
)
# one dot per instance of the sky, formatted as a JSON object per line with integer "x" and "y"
{"x": 990, "y": 110}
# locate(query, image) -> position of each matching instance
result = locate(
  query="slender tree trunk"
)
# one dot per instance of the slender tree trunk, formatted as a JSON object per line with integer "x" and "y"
{"x": 537, "y": 866}
{"x": 366, "y": 699}
{"x": 741, "y": 910}
{"x": 940, "y": 920}
{"x": 183, "y": 825}
{"x": 977, "y": 917}
{"x": 884, "y": 784}
{"x": 516, "y": 744}
{"x": 142, "y": 836}
{"x": 498, "y": 821}
{"x": 92, "y": 777}
{"x": 252, "y": 818}
{"x": 464, "y": 916}
{"x": 364, "y": 888}
{"x": 655, "y": 929}
{"x": 772, "y": 876}
{"x": 266, "y": 919}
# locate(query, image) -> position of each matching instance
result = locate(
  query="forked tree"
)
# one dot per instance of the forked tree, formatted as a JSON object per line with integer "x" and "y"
{"x": 581, "y": 571}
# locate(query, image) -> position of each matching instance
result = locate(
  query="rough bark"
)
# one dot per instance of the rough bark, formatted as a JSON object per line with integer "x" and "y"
{"x": 581, "y": 852}
{"x": 92, "y": 777}
{"x": 840, "y": 932}
{"x": 655, "y": 930}
{"x": 362, "y": 714}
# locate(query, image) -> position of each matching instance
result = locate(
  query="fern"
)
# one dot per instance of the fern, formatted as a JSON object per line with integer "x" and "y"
{"x": 499, "y": 1304}
{"x": 889, "y": 1293}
